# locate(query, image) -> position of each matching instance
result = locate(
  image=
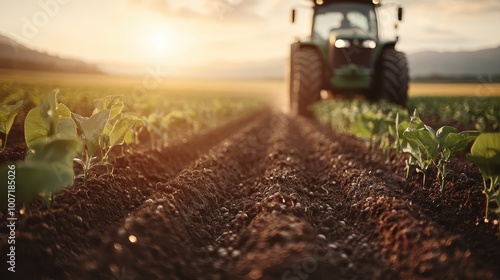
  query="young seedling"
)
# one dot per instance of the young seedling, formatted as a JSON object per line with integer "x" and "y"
{"x": 421, "y": 145}
{"x": 485, "y": 154}
{"x": 52, "y": 140}
{"x": 91, "y": 130}
{"x": 7, "y": 115}
{"x": 450, "y": 143}
{"x": 106, "y": 128}
{"x": 428, "y": 147}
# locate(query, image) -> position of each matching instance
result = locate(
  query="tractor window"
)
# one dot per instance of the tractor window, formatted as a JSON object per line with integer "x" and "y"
{"x": 334, "y": 17}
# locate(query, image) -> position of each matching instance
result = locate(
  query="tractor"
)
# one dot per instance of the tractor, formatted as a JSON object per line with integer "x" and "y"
{"x": 344, "y": 56}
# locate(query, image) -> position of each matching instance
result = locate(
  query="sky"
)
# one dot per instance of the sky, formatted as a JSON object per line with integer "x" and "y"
{"x": 183, "y": 33}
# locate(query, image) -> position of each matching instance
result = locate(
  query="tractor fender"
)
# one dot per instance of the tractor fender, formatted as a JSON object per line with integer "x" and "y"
{"x": 379, "y": 49}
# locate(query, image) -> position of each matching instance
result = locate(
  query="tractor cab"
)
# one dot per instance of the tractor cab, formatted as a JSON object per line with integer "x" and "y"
{"x": 344, "y": 21}
{"x": 345, "y": 55}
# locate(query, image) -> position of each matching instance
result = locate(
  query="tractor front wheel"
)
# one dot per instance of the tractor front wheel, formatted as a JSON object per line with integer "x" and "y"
{"x": 394, "y": 77}
{"x": 306, "y": 81}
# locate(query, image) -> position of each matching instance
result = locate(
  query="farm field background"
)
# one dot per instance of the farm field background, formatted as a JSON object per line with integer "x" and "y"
{"x": 270, "y": 91}
{"x": 256, "y": 193}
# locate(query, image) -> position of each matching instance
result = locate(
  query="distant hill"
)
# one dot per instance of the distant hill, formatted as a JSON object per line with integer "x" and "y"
{"x": 14, "y": 55}
{"x": 463, "y": 66}
{"x": 455, "y": 64}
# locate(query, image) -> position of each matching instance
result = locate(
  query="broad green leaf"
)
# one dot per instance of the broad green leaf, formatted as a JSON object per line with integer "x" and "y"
{"x": 424, "y": 140}
{"x": 66, "y": 129}
{"x": 120, "y": 130}
{"x": 104, "y": 103}
{"x": 47, "y": 171}
{"x": 443, "y": 132}
{"x": 43, "y": 122}
{"x": 485, "y": 153}
{"x": 116, "y": 110}
{"x": 63, "y": 111}
{"x": 92, "y": 127}
{"x": 456, "y": 142}
{"x": 416, "y": 122}
{"x": 7, "y": 115}
{"x": 114, "y": 114}
{"x": 402, "y": 127}
{"x": 131, "y": 136}
{"x": 79, "y": 119}
{"x": 57, "y": 150}
{"x": 36, "y": 127}
{"x": 431, "y": 130}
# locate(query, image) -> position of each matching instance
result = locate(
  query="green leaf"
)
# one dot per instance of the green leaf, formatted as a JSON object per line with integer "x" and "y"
{"x": 485, "y": 153}
{"x": 48, "y": 120}
{"x": 66, "y": 129}
{"x": 7, "y": 115}
{"x": 424, "y": 140}
{"x": 47, "y": 171}
{"x": 63, "y": 111}
{"x": 416, "y": 122}
{"x": 57, "y": 150}
{"x": 443, "y": 132}
{"x": 456, "y": 142}
{"x": 104, "y": 103}
{"x": 92, "y": 129}
{"x": 116, "y": 110}
{"x": 120, "y": 130}
{"x": 36, "y": 127}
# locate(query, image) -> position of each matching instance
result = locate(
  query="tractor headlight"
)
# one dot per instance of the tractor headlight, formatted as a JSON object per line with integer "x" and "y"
{"x": 369, "y": 44}
{"x": 342, "y": 44}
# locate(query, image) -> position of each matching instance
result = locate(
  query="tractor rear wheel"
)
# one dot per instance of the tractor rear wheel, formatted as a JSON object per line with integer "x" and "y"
{"x": 394, "y": 77}
{"x": 306, "y": 81}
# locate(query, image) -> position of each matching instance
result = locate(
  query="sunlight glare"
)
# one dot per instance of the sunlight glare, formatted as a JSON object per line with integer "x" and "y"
{"x": 160, "y": 41}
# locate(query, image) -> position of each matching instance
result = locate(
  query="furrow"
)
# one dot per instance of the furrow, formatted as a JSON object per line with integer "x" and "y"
{"x": 174, "y": 227}
{"x": 413, "y": 245}
{"x": 89, "y": 211}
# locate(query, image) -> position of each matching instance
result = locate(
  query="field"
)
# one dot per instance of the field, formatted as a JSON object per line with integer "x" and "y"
{"x": 238, "y": 189}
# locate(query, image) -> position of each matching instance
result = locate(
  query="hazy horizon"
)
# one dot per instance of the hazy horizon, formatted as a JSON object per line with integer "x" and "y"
{"x": 200, "y": 32}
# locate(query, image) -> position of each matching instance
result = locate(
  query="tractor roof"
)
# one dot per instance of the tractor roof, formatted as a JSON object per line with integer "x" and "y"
{"x": 321, "y": 2}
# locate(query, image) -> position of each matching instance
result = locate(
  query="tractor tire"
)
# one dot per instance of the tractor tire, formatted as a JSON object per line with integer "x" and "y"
{"x": 306, "y": 81}
{"x": 394, "y": 77}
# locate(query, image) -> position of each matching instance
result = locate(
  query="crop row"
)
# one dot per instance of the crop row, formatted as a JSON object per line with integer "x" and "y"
{"x": 480, "y": 113}
{"x": 389, "y": 127}
{"x": 56, "y": 137}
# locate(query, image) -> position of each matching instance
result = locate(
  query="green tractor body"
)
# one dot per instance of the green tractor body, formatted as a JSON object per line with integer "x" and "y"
{"x": 344, "y": 55}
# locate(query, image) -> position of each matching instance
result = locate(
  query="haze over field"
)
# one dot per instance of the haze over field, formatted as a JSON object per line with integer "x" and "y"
{"x": 242, "y": 37}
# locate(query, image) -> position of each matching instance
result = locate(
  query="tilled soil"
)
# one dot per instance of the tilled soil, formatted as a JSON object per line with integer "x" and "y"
{"x": 267, "y": 197}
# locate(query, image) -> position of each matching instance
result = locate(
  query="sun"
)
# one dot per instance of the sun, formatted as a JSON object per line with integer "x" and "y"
{"x": 160, "y": 41}
{"x": 159, "y": 44}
